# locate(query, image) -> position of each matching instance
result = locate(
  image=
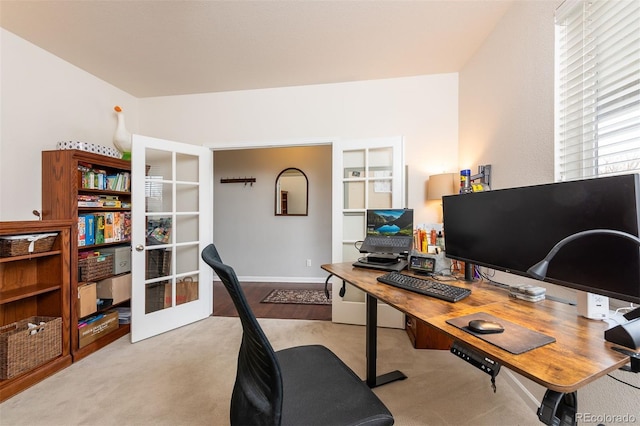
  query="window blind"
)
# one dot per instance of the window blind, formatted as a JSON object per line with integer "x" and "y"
{"x": 597, "y": 88}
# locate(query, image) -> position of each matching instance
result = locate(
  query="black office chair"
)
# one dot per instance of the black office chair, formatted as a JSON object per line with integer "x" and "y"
{"x": 299, "y": 386}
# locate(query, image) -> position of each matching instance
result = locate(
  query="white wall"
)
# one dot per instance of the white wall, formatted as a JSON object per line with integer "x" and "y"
{"x": 46, "y": 100}
{"x": 506, "y": 99}
{"x": 506, "y": 120}
{"x": 421, "y": 109}
{"x": 248, "y": 234}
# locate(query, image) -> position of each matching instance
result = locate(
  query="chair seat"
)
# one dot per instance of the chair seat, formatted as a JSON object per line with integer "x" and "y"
{"x": 319, "y": 389}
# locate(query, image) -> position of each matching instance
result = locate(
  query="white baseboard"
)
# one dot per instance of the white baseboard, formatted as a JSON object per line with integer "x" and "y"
{"x": 250, "y": 279}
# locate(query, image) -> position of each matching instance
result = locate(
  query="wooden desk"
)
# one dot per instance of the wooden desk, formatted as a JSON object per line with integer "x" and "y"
{"x": 579, "y": 356}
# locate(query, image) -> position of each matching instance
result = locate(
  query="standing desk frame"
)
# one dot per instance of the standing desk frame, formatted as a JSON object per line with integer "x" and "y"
{"x": 579, "y": 355}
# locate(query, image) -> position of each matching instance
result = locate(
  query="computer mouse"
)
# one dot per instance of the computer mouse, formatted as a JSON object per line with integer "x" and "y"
{"x": 485, "y": 327}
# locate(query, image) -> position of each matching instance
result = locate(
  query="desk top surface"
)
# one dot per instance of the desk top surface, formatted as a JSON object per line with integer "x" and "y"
{"x": 578, "y": 356}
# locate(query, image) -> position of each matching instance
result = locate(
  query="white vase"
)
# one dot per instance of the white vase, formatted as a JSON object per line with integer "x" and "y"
{"x": 122, "y": 138}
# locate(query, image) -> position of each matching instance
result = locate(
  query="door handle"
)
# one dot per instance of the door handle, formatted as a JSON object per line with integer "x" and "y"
{"x": 139, "y": 247}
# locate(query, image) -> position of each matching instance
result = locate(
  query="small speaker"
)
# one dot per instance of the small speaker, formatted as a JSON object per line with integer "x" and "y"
{"x": 593, "y": 306}
{"x": 627, "y": 335}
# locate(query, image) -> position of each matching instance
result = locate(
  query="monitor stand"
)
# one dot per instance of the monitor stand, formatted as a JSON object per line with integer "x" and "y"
{"x": 383, "y": 262}
{"x": 382, "y": 258}
{"x": 627, "y": 334}
{"x": 468, "y": 271}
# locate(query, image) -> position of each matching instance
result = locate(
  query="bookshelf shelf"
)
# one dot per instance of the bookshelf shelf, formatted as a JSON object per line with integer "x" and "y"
{"x": 35, "y": 285}
{"x": 65, "y": 177}
{"x": 9, "y": 296}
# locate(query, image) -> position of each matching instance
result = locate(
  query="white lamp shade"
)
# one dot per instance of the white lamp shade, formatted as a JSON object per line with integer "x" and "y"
{"x": 441, "y": 185}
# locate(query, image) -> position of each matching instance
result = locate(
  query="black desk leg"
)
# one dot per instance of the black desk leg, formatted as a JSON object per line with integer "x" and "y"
{"x": 372, "y": 351}
{"x": 558, "y": 409}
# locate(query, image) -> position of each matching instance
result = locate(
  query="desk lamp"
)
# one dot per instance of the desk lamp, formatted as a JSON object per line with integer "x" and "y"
{"x": 440, "y": 185}
{"x": 627, "y": 334}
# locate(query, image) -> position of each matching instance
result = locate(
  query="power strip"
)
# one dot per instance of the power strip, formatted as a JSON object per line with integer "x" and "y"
{"x": 482, "y": 362}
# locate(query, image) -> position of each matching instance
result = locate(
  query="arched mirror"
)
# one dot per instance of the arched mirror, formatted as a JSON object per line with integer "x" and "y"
{"x": 292, "y": 193}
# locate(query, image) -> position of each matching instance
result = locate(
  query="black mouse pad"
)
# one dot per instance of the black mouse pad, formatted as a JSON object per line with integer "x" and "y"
{"x": 515, "y": 338}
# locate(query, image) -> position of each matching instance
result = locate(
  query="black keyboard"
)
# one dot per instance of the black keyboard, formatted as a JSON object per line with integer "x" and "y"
{"x": 388, "y": 242}
{"x": 424, "y": 286}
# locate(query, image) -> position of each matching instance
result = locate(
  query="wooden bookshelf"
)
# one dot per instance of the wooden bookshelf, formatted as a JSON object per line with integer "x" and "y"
{"x": 36, "y": 285}
{"x": 62, "y": 183}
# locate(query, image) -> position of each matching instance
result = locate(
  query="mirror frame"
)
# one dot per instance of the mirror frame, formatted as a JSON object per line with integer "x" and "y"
{"x": 277, "y": 200}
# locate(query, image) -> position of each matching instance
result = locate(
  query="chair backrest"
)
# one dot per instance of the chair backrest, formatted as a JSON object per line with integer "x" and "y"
{"x": 257, "y": 393}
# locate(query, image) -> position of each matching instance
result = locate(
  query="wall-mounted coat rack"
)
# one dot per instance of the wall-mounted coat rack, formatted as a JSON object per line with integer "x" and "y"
{"x": 244, "y": 180}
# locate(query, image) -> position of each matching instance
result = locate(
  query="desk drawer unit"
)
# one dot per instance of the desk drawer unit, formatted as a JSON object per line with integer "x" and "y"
{"x": 423, "y": 336}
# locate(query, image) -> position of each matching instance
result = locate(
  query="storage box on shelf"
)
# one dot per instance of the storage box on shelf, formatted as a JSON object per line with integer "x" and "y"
{"x": 121, "y": 258}
{"x": 87, "y": 299}
{"x": 117, "y": 288}
{"x": 34, "y": 302}
{"x": 18, "y": 245}
{"x": 94, "y": 191}
{"x": 95, "y": 266}
{"x": 97, "y": 326}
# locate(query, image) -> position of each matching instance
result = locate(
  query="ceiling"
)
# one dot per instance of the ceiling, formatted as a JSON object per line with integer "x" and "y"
{"x": 157, "y": 48}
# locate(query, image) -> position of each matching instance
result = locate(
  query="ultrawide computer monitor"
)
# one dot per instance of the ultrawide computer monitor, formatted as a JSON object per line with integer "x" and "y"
{"x": 513, "y": 229}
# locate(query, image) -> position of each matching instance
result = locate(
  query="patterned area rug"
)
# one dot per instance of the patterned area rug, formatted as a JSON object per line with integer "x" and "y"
{"x": 304, "y": 297}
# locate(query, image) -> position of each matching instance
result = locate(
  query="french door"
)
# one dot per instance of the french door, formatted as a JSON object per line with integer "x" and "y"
{"x": 367, "y": 174}
{"x": 172, "y": 223}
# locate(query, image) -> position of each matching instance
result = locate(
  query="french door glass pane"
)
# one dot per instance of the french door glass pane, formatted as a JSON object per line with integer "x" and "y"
{"x": 354, "y": 164}
{"x": 354, "y": 195}
{"x": 379, "y": 194}
{"x": 187, "y": 228}
{"x": 187, "y": 168}
{"x": 186, "y": 197}
{"x": 380, "y": 162}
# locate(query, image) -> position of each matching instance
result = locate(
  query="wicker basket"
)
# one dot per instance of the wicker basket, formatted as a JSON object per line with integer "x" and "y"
{"x": 20, "y": 350}
{"x": 95, "y": 267}
{"x": 19, "y": 245}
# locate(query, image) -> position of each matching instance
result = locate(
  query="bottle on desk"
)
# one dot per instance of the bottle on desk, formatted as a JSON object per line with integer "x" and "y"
{"x": 440, "y": 240}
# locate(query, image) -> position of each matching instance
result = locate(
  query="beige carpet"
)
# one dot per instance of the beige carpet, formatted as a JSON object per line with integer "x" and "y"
{"x": 185, "y": 377}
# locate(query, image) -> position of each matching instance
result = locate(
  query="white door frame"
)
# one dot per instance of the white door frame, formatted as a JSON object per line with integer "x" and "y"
{"x": 355, "y": 311}
{"x": 351, "y": 308}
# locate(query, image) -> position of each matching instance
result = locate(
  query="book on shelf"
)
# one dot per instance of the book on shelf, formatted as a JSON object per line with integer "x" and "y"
{"x": 89, "y": 228}
{"x": 90, "y": 204}
{"x": 111, "y": 182}
{"x": 108, "y": 227}
{"x": 117, "y": 227}
{"x": 85, "y": 200}
{"x": 119, "y": 182}
{"x": 89, "y": 320}
{"x": 81, "y": 232}
{"x": 100, "y": 179}
{"x": 127, "y": 226}
{"x": 94, "y": 178}
{"x": 103, "y": 227}
{"x": 99, "y": 232}
{"x": 110, "y": 201}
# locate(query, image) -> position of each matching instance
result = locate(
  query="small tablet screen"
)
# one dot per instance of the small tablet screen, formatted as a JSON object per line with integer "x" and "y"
{"x": 423, "y": 265}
